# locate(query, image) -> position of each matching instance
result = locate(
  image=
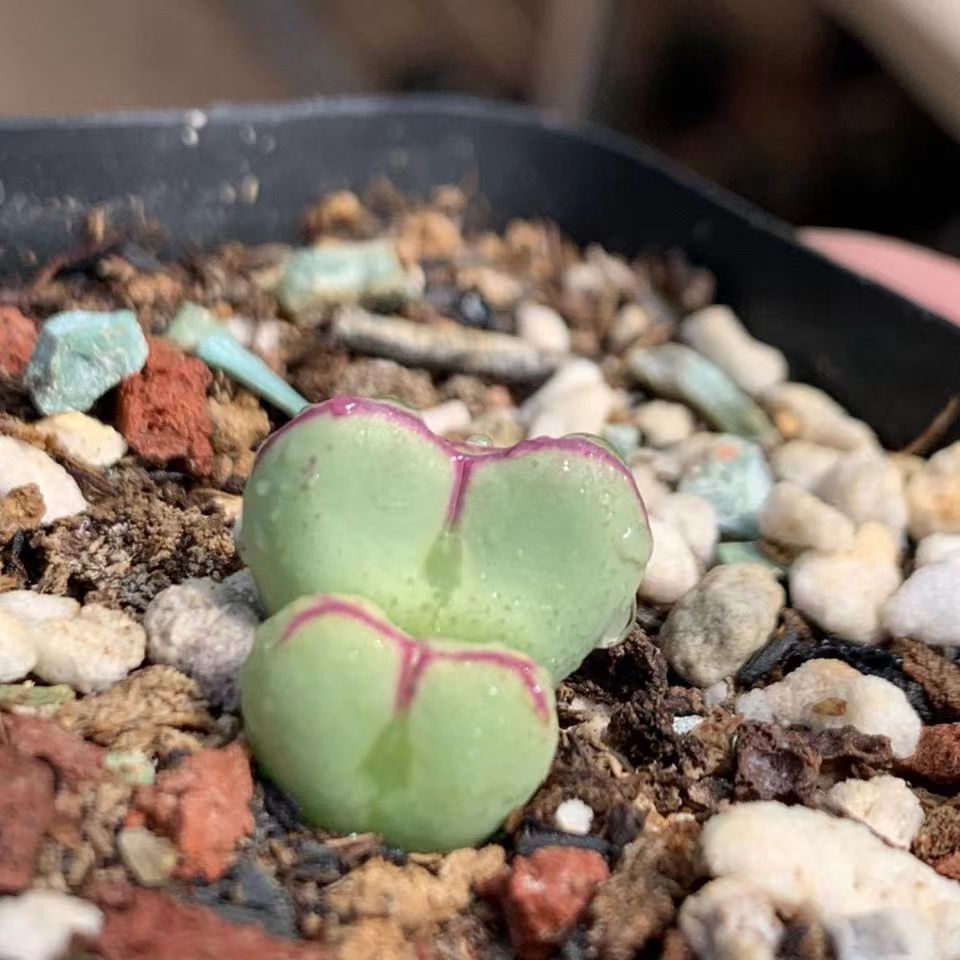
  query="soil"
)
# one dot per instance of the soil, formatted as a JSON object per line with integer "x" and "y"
{"x": 165, "y": 513}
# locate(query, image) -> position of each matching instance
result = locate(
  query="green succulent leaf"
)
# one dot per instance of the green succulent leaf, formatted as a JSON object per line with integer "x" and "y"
{"x": 541, "y": 545}
{"x": 430, "y": 743}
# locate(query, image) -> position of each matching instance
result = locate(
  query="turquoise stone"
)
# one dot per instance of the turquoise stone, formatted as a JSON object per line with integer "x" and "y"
{"x": 80, "y": 355}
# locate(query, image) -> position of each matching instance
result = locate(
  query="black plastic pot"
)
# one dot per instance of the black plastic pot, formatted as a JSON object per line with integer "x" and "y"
{"x": 246, "y": 173}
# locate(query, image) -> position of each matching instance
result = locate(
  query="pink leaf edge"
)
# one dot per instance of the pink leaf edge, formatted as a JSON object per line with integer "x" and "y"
{"x": 418, "y": 655}
{"x": 465, "y": 458}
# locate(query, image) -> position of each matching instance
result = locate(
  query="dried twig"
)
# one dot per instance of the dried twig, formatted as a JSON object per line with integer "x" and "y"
{"x": 938, "y": 426}
{"x": 79, "y": 254}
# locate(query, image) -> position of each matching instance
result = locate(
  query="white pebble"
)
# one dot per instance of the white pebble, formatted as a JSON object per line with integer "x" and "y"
{"x": 17, "y": 652}
{"x": 665, "y": 464}
{"x": 499, "y": 288}
{"x": 825, "y": 694}
{"x": 149, "y": 858}
{"x": 90, "y": 651}
{"x": 885, "y": 804}
{"x": 794, "y": 517}
{"x": 31, "y": 614}
{"x": 800, "y": 858}
{"x": 936, "y": 547}
{"x": 672, "y": 569}
{"x": 240, "y": 328}
{"x": 576, "y": 399}
{"x": 715, "y": 627}
{"x": 927, "y": 606}
{"x": 695, "y": 518}
{"x": 585, "y": 279}
{"x": 600, "y": 275}
{"x": 947, "y": 460}
{"x": 933, "y": 495}
{"x": 652, "y": 490}
{"x": 40, "y": 924}
{"x": 21, "y": 464}
{"x": 542, "y": 327}
{"x": 229, "y": 504}
{"x": 617, "y": 274}
{"x": 685, "y": 723}
{"x": 205, "y": 629}
{"x": 697, "y": 446}
{"x": 37, "y": 609}
{"x": 631, "y": 322}
{"x": 716, "y": 694}
{"x": 880, "y": 935}
{"x": 805, "y": 412}
{"x": 907, "y": 463}
{"x": 268, "y": 338}
{"x": 664, "y": 423}
{"x": 845, "y": 591}
{"x": 865, "y": 485}
{"x": 717, "y": 333}
{"x": 887, "y": 934}
{"x": 454, "y": 415}
{"x": 574, "y": 816}
{"x": 803, "y": 463}
{"x": 730, "y": 920}
{"x": 84, "y": 438}
{"x": 571, "y": 376}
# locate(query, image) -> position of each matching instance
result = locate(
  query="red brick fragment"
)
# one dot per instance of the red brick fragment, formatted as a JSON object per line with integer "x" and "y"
{"x": 149, "y": 925}
{"x": 71, "y": 756}
{"x": 937, "y": 757}
{"x": 545, "y": 894}
{"x": 162, "y": 411}
{"x": 948, "y": 866}
{"x": 203, "y": 805}
{"x": 18, "y": 336}
{"x": 26, "y": 811}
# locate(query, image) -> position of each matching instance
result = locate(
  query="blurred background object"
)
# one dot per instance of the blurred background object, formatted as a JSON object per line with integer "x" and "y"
{"x": 783, "y": 101}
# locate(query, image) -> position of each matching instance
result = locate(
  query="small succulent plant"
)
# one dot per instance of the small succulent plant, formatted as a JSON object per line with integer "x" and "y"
{"x": 429, "y": 743}
{"x": 425, "y": 598}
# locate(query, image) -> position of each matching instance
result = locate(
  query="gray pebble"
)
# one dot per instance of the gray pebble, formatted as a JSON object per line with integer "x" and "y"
{"x": 443, "y": 346}
{"x": 729, "y": 615}
{"x": 205, "y": 629}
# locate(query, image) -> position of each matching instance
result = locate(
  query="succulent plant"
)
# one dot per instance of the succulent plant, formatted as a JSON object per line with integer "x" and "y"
{"x": 429, "y": 743}
{"x": 425, "y": 597}
{"x": 543, "y": 543}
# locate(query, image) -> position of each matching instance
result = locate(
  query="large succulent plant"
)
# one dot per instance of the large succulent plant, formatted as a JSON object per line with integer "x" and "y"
{"x": 521, "y": 559}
